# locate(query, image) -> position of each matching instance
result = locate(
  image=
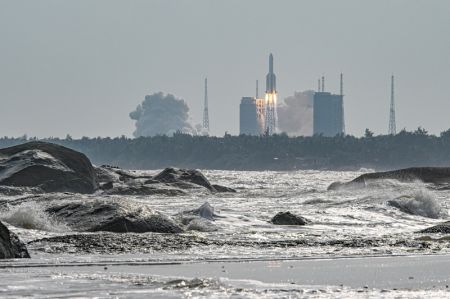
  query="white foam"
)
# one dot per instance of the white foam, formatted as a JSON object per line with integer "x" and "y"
{"x": 32, "y": 216}
{"x": 420, "y": 202}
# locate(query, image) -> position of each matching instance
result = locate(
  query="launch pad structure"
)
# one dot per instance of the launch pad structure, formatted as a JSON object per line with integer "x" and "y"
{"x": 258, "y": 116}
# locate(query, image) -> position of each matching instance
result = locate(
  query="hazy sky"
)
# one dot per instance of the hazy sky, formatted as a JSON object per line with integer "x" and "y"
{"x": 80, "y": 67}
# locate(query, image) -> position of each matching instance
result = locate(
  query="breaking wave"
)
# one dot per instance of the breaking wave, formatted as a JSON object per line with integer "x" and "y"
{"x": 421, "y": 203}
{"x": 32, "y": 216}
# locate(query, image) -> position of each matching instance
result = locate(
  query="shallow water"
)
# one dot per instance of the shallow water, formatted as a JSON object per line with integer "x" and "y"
{"x": 345, "y": 223}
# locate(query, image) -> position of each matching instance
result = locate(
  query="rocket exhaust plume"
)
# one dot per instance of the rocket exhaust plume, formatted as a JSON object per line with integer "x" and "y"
{"x": 296, "y": 114}
{"x": 271, "y": 100}
{"x": 161, "y": 114}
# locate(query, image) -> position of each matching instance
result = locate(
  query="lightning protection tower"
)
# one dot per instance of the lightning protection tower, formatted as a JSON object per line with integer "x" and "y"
{"x": 392, "y": 126}
{"x": 205, "y": 110}
{"x": 342, "y": 96}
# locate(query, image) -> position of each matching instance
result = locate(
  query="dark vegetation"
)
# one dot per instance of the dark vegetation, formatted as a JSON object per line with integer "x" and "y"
{"x": 278, "y": 152}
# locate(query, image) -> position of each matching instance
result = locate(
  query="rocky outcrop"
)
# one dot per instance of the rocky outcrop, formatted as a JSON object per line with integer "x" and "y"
{"x": 10, "y": 245}
{"x": 443, "y": 228}
{"x": 173, "y": 175}
{"x": 434, "y": 175}
{"x": 170, "y": 181}
{"x": 142, "y": 189}
{"x": 287, "y": 218}
{"x": 223, "y": 189}
{"x": 39, "y": 167}
{"x": 111, "y": 215}
{"x": 47, "y": 166}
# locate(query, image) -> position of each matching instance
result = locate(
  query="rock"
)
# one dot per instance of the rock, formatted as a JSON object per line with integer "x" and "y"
{"x": 106, "y": 174}
{"x": 170, "y": 181}
{"x": 443, "y": 228}
{"x": 433, "y": 175}
{"x": 10, "y": 245}
{"x": 118, "y": 216}
{"x": 287, "y": 218}
{"x": 141, "y": 189}
{"x": 223, "y": 189}
{"x": 50, "y": 167}
{"x": 107, "y": 186}
{"x": 335, "y": 186}
{"x": 172, "y": 175}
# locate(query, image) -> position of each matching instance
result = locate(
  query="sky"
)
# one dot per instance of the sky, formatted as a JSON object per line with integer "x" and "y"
{"x": 80, "y": 67}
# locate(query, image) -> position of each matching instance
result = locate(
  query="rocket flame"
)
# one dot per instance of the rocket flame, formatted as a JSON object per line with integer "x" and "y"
{"x": 270, "y": 112}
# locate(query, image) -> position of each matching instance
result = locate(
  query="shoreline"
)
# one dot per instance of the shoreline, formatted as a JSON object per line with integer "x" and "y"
{"x": 401, "y": 272}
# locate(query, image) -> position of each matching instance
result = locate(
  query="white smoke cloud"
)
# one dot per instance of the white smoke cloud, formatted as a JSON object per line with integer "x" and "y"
{"x": 161, "y": 114}
{"x": 295, "y": 115}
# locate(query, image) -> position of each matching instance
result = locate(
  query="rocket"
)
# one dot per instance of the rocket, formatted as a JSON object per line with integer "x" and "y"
{"x": 271, "y": 79}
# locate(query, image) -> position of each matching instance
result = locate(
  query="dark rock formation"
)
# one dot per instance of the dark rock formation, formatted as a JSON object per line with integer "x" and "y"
{"x": 434, "y": 175}
{"x": 10, "y": 245}
{"x": 112, "y": 215}
{"x": 47, "y": 166}
{"x": 287, "y": 218}
{"x": 170, "y": 182}
{"x": 141, "y": 189}
{"x": 223, "y": 189}
{"x": 173, "y": 175}
{"x": 443, "y": 228}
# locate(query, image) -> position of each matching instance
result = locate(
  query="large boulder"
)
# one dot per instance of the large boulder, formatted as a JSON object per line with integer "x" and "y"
{"x": 287, "y": 218}
{"x": 188, "y": 179}
{"x": 47, "y": 166}
{"x": 170, "y": 181}
{"x": 120, "y": 216}
{"x": 173, "y": 175}
{"x": 10, "y": 245}
{"x": 434, "y": 175}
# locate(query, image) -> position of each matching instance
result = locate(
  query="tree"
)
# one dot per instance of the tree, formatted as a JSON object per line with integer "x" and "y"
{"x": 368, "y": 133}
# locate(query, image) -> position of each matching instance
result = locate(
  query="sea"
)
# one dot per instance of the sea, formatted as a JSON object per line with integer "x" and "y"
{"x": 357, "y": 243}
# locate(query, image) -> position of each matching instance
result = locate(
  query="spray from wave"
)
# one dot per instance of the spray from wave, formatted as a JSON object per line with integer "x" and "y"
{"x": 32, "y": 216}
{"x": 421, "y": 203}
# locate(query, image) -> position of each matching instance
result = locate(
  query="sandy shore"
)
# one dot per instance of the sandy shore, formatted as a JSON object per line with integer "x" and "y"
{"x": 387, "y": 272}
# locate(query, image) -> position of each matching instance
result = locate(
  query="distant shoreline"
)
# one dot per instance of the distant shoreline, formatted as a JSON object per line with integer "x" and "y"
{"x": 259, "y": 153}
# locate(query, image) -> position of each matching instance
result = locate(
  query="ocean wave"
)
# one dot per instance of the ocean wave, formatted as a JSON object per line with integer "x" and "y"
{"x": 421, "y": 203}
{"x": 32, "y": 216}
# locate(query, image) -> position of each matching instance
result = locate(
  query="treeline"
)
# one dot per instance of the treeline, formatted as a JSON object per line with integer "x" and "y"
{"x": 277, "y": 152}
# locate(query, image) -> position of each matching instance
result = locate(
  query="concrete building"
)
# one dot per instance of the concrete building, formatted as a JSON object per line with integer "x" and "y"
{"x": 249, "y": 122}
{"x": 328, "y": 114}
